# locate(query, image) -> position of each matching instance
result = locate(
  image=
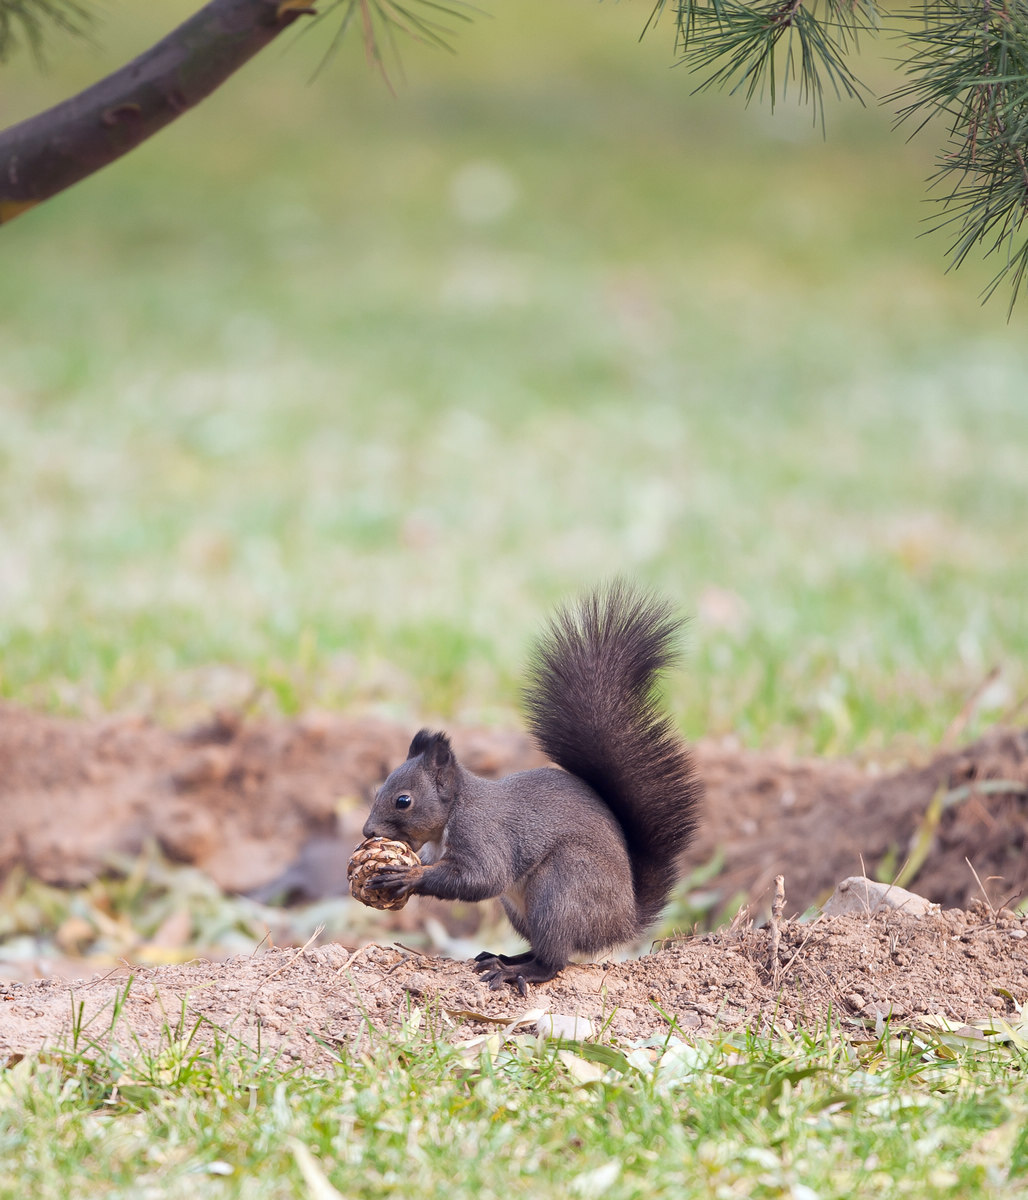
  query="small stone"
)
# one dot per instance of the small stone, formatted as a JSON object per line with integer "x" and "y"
{"x": 856, "y": 1001}
{"x": 865, "y": 896}
{"x": 688, "y": 1020}
{"x": 558, "y": 1025}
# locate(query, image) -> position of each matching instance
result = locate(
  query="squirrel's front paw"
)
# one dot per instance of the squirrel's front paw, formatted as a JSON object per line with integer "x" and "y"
{"x": 397, "y": 881}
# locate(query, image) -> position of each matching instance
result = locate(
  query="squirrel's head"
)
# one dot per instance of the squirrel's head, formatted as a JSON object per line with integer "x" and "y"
{"x": 413, "y": 804}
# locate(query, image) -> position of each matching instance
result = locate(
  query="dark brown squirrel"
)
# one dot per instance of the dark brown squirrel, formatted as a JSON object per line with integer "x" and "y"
{"x": 585, "y": 858}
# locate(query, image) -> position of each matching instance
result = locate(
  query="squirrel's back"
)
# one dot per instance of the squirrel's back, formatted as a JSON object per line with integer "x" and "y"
{"x": 591, "y": 704}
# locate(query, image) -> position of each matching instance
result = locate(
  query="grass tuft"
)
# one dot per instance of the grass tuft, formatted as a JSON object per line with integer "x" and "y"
{"x": 812, "y": 1114}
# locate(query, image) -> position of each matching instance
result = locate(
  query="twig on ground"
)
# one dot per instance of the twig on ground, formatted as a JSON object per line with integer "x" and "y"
{"x": 413, "y": 950}
{"x": 405, "y": 957}
{"x": 777, "y": 905}
{"x": 351, "y": 958}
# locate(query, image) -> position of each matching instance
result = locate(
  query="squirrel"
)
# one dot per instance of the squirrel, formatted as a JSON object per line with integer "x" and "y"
{"x": 583, "y": 858}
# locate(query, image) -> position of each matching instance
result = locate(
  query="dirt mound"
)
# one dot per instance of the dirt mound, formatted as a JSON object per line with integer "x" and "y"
{"x": 817, "y": 822}
{"x": 239, "y": 800}
{"x": 276, "y": 806}
{"x": 309, "y": 1005}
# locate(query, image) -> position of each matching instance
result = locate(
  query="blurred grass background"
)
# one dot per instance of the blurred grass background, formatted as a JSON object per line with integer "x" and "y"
{"x": 326, "y": 394}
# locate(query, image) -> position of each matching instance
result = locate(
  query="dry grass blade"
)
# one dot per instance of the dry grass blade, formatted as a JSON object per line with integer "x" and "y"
{"x": 810, "y": 933}
{"x": 923, "y": 839}
{"x": 985, "y": 894}
{"x": 286, "y": 965}
{"x": 969, "y": 709}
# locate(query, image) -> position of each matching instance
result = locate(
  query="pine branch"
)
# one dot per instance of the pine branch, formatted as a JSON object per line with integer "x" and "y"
{"x": 28, "y": 22}
{"x": 971, "y": 66}
{"x": 968, "y": 62}
{"x": 762, "y": 48}
{"x": 49, "y": 152}
{"x": 428, "y": 21}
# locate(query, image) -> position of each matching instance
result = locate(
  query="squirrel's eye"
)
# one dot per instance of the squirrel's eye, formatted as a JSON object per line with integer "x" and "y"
{"x": 403, "y": 801}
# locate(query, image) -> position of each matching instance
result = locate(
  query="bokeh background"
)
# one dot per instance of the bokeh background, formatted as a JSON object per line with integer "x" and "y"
{"x": 326, "y": 394}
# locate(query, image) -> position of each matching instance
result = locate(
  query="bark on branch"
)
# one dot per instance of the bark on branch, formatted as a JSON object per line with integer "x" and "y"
{"x": 49, "y": 152}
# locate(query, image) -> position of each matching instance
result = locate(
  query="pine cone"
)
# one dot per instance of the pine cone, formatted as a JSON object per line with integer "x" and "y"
{"x": 374, "y": 855}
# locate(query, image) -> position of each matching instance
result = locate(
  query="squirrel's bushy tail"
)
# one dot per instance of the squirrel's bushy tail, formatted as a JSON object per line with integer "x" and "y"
{"x": 591, "y": 705}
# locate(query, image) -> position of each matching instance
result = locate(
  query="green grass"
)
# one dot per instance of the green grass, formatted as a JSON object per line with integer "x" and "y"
{"x": 342, "y": 391}
{"x": 805, "y": 1117}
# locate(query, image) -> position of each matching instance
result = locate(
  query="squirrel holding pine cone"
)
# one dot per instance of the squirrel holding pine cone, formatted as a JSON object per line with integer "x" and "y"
{"x": 583, "y": 858}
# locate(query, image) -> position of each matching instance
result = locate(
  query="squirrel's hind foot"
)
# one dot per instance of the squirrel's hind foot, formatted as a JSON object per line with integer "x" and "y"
{"x": 488, "y": 959}
{"x": 519, "y": 971}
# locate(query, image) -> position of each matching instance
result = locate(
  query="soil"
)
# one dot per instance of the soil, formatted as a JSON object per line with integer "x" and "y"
{"x": 273, "y": 808}
{"x": 309, "y": 1006}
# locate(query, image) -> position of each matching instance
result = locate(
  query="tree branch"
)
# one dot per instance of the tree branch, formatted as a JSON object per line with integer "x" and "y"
{"x": 49, "y": 152}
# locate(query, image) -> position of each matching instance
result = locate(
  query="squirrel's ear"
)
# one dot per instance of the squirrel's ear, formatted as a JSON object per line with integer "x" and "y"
{"x": 438, "y": 758}
{"x": 435, "y": 746}
{"x": 422, "y": 740}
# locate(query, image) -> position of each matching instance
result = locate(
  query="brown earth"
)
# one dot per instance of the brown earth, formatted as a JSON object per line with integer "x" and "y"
{"x": 273, "y": 807}
{"x": 252, "y": 803}
{"x": 311, "y": 1005}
